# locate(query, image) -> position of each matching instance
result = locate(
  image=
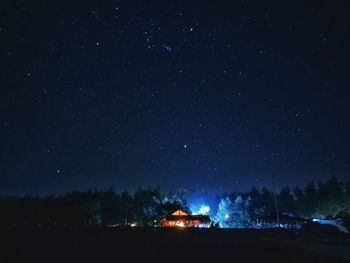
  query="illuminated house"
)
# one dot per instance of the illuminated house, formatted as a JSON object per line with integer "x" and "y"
{"x": 181, "y": 219}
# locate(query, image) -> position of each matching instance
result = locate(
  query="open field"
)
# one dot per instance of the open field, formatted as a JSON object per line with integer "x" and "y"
{"x": 166, "y": 245}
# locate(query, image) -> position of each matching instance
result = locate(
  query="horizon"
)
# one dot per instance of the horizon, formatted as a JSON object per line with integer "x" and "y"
{"x": 184, "y": 191}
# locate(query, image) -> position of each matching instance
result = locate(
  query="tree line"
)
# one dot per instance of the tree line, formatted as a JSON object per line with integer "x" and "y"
{"x": 92, "y": 207}
{"x": 326, "y": 200}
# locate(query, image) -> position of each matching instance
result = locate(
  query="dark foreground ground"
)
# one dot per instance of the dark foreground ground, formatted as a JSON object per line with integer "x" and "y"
{"x": 166, "y": 245}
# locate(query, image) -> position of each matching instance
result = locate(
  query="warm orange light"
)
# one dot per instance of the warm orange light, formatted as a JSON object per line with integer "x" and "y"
{"x": 180, "y": 224}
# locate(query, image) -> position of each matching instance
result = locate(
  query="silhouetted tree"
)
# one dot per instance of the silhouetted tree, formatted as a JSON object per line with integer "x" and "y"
{"x": 330, "y": 199}
{"x": 146, "y": 202}
{"x": 285, "y": 200}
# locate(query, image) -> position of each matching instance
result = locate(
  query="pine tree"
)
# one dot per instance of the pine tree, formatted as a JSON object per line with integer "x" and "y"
{"x": 240, "y": 215}
{"x": 233, "y": 214}
{"x": 225, "y": 213}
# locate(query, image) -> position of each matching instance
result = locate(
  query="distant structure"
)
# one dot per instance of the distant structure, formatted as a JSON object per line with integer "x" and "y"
{"x": 180, "y": 218}
{"x": 285, "y": 220}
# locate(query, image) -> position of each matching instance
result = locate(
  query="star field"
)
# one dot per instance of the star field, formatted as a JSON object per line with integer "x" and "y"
{"x": 219, "y": 96}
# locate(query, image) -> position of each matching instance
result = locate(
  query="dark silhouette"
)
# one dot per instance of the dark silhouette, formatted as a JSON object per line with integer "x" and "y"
{"x": 327, "y": 200}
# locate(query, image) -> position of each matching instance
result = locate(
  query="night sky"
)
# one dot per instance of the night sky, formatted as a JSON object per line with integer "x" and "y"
{"x": 216, "y": 95}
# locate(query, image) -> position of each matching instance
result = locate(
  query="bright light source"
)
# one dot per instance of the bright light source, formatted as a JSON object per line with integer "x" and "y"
{"x": 227, "y": 216}
{"x": 204, "y": 209}
{"x": 180, "y": 224}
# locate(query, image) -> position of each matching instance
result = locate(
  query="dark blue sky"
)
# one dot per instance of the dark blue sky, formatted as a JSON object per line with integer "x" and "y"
{"x": 177, "y": 94}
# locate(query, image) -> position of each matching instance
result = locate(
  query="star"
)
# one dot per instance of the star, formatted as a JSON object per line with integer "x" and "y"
{"x": 104, "y": 94}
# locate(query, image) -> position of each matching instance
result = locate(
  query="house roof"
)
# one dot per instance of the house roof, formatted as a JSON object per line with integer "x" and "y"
{"x": 202, "y": 218}
{"x": 286, "y": 217}
{"x": 181, "y": 215}
{"x": 179, "y": 212}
